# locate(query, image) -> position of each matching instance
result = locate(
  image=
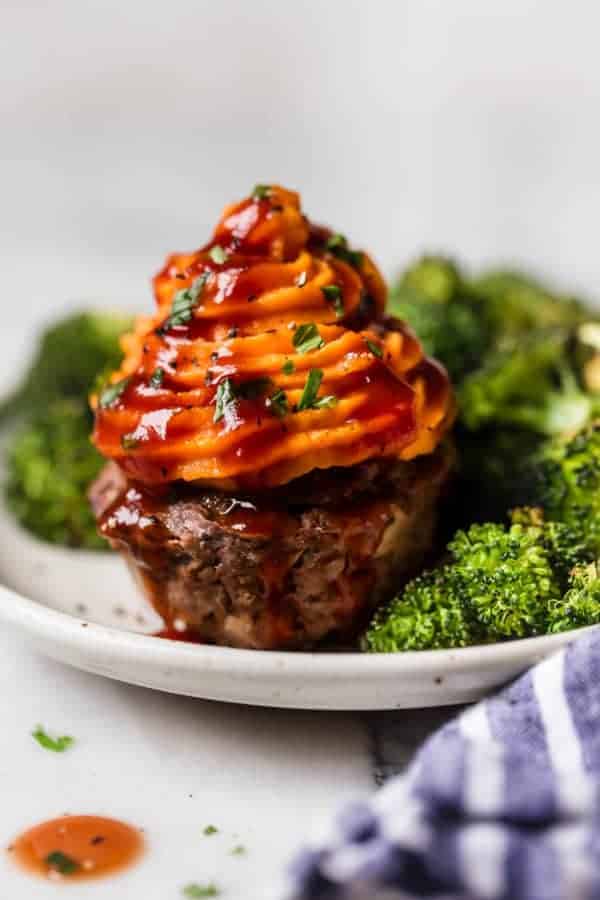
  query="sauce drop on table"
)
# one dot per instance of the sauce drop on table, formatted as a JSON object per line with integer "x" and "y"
{"x": 74, "y": 848}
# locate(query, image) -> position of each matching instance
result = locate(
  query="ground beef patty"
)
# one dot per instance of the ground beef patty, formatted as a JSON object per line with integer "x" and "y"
{"x": 288, "y": 569}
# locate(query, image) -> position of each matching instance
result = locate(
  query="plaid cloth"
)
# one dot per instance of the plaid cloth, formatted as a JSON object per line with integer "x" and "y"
{"x": 502, "y": 803}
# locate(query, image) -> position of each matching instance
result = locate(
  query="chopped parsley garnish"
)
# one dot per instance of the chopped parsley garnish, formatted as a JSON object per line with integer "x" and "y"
{"x": 338, "y": 245}
{"x": 57, "y": 745}
{"x": 333, "y": 294}
{"x": 183, "y": 304}
{"x": 239, "y": 850}
{"x": 228, "y": 394}
{"x": 129, "y": 441}
{"x": 224, "y": 399}
{"x": 195, "y": 891}
{"x": 210, "y": 829}
{"x": 309, "y": 400}
{"x": 375, "y": 349}
{"x": 218, "y": 254}
{"x": 157, "y": 377}
{"x": 307, "y": 338}
{"x": 278, "y": 403}
{"x": 112, "y": 392}
{"x": 261, "y": 192}
{"x": 288, "y": 367}
{"x": 62, "y": 863}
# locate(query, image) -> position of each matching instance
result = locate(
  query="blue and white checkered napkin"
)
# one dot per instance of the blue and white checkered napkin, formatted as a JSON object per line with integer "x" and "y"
{"x": 502, "y": 802}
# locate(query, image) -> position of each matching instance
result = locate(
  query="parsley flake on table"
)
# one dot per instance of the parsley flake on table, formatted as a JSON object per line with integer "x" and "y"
{"x": 60, "y": 862}
{"x": 218, "y": 254}
{"x": 210, "y": 829}
{"x": 56, "y": 745}
{"x": 333, "y": 295}
{"x": 111, "y": 393}
{"x": 306, "y": 338}
{"x": 309, "y": 399}
{"x": 238, "y": 850}
{"x": 195, "y": 891}
{"x": 183, "y": 304}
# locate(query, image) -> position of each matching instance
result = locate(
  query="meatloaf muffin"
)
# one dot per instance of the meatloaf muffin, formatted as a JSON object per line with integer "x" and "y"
{"x": 276, "y": 440}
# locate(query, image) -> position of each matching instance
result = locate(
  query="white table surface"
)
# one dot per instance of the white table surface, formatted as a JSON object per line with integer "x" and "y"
{"x": 172, "y": 765}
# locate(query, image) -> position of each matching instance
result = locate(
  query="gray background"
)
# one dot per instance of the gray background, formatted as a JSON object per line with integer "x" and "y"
{"x": 468, "y": 126}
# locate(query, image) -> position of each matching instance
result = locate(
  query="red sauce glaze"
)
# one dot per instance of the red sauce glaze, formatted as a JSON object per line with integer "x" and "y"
{"x": 266, "y": 272}
{"x": 77, "y": 848}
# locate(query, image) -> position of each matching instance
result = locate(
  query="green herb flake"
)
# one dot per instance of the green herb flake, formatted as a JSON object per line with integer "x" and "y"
{"x": 375, "y": 349}
{"x": 184, "y": 303}
{"x": 210, "y": 829}
{"x": 307, "y": 338}
{"x": 218, "y": 254}
{"x": 333, "y": 295}
{"x": 129, "y": 441}
{"x": 288, "y": 367}
{"x": 194, "y": 890}
{"x": 60, "y": 862}
{"x": 228, "y": 395}
{"x": 261, "y": 192}
{"x": 56, "y": 745}
{"x": 225, "y": 398}
{"x": 112, "y": 392}
{"x": 309, "y": 400}
{"x": 157, "y": 378}
{"x": 278, "y": 403}
{"x": 338, "y": 246}
{"x": 238, "y": 850}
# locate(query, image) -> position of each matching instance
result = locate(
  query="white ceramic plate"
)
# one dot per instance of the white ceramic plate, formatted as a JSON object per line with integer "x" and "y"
{"x": 83, "y": 609}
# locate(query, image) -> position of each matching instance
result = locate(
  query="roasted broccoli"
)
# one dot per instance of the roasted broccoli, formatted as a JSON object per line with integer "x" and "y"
{"x": 50, "y": 458}
{"x": 50, "y": 466}
{"x": 581, "y": 604}
{"x": 494, "y": 474}
{"x": 500, "y": 582}
{"x": 514, "y": 304}
{"x": 434, "y": 299}
{"x": 528, "y": 384}
{"x": 430, "y": 614}
{"x": 70, "y": 355}
{"x": 507, "y": 577}
{"x": 567, "y": 482}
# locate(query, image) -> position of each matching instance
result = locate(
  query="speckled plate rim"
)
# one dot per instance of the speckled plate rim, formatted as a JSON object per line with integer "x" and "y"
{"x": 334, "y": 681}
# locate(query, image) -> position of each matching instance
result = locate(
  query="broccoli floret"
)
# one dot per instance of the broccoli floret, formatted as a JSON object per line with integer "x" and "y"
{"x": 527, "y": 384}
{"x": 515, "y": 304}
{"x": 565, "y": 543}
{"x": 567, "y": 480}
{"x": 428, "y": 615}
{"x": 433, "y": 297}
{"x": 507, "y": 577}
{"x": 51, "y": 460}
{"x": 51, "y": 463}
{"x": 499, "y": 583}
{"x": 580, "y": 606}
{"x": 70, "y": 356}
